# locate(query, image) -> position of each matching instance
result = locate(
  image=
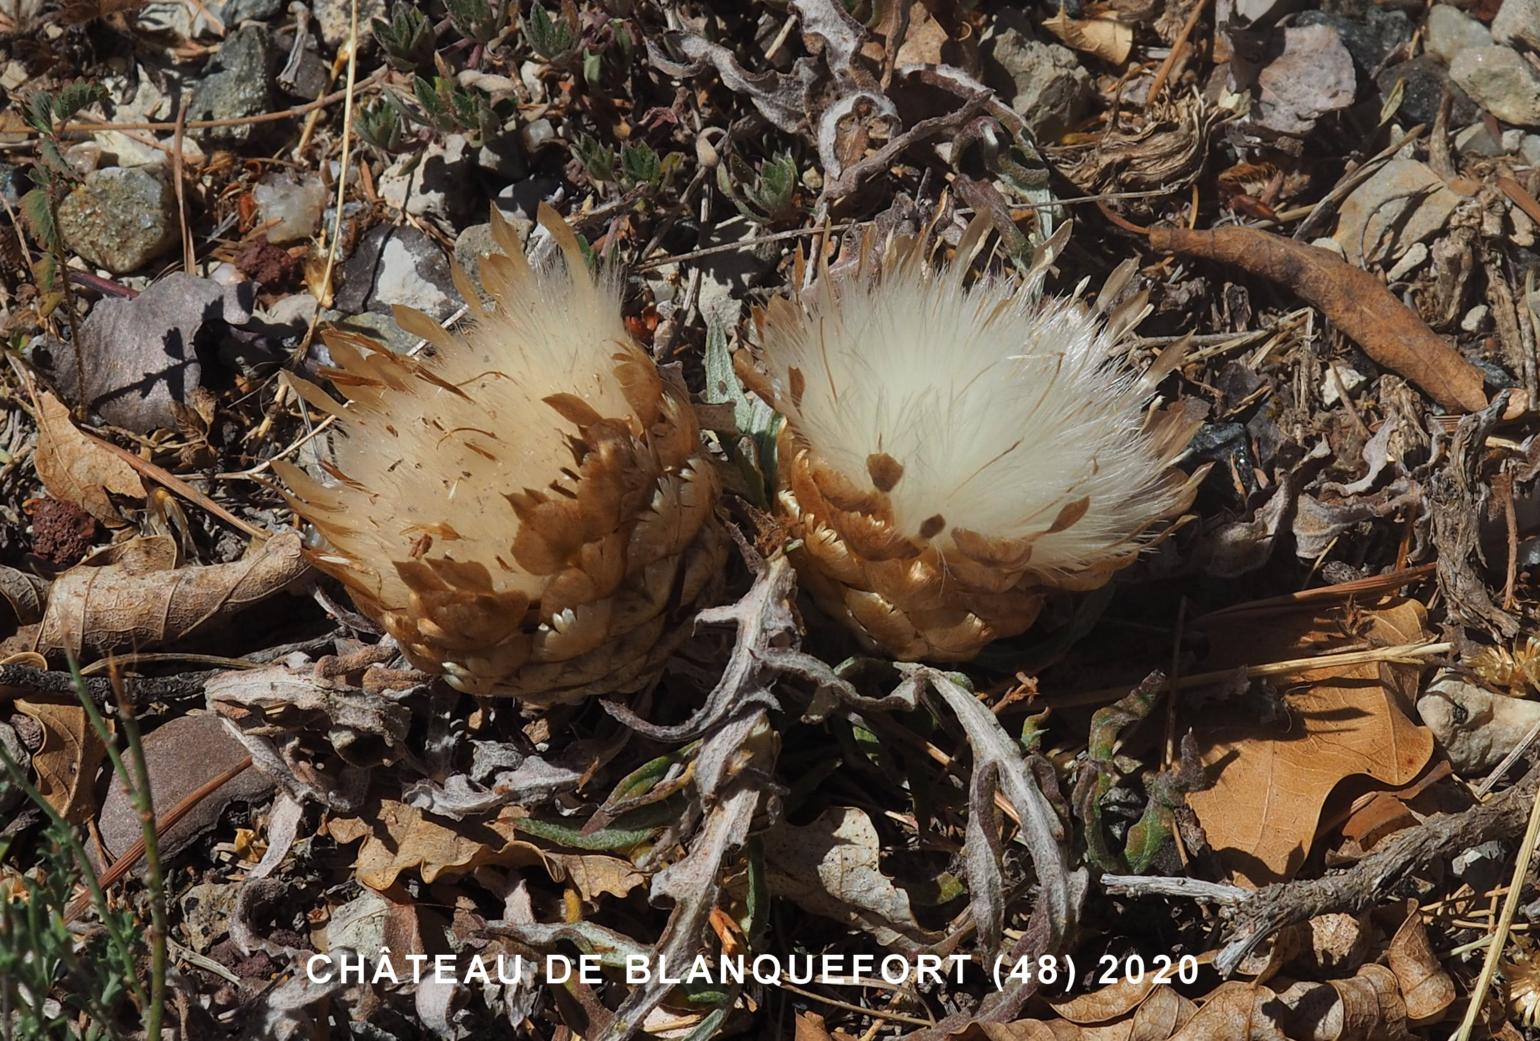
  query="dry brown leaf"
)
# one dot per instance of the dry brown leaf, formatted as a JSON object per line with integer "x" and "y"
{"x": 594, "y": 875}
{"x": 398, "y": 838}
{"x": 832, "y": 867}
{"x": 1235, "y": 1012}
{"x": 132, "y": 597}
{"x": 69, "y": 758}
{"x": 1106, "y": 1003}
{"x": 1272, "y": 777}
{"x": 808, "y": 1026}
{"x": 1425, "y": 987}
{"x": 924, "y": 38}
{"x": 1160, "y": 1015}
{"x": 77, "y": 469}
{"x": 1107, "y": 38}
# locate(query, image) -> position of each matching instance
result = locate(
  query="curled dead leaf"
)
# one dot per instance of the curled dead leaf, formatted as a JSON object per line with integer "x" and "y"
{"x": 132, "y": 596}
{"x": 1425, "y": 987}
{"x": 76, "y": 468}
{"x": 1107, "y": 38}
{"x": 69, "y": 758}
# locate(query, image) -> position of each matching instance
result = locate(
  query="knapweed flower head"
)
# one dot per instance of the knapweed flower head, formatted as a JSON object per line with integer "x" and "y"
{"x": 954, "y": 448}
{"x": 528, "y": 510}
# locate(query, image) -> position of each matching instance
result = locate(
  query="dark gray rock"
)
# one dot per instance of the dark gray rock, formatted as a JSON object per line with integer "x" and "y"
{"x": 1372, "y": 39}
{"x": 1426, "y": 82}
{"x": 239, "y": 84}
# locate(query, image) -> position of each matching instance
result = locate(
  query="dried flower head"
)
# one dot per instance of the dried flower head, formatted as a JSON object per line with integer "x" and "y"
{"x": 1515, "y": 672}
{"x": 529, "y": 509}
{"x": 952, "y": 450}
{"x": 1521, "y": 973}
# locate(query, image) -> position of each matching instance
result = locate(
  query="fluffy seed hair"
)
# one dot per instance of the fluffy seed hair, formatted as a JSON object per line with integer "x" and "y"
{"x": 953, "y": 448}
{"x": 528, "y": 510}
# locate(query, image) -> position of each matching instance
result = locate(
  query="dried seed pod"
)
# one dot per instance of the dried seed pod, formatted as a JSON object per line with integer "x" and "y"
{"x": 529, "y": 510}
{"x": 952, "y": 450}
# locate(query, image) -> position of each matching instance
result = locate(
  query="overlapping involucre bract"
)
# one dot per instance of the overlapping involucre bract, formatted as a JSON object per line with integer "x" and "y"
{"x": 953, "y": 450}
{"x": 528, "y": 510}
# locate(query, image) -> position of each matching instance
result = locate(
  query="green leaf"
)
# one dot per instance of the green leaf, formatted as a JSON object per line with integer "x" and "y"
{"x": 382, "y": 123}
{"x": 476, "y": 19}
{"x": 598, "y": 159}
{"x": 407, "y": 39}
{"x": 75, "y": 97}
{"x": 39, "y": 112}
{"x": 37, "y": 209}
{"x": 639, "y": 165}
{"x": 753, "y": 454}
{"x": 550, "y": 38}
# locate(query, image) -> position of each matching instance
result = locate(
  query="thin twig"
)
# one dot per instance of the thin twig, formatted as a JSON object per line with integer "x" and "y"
{"x": 189, "y": 256}
{"x": 92, "y": 126}
{"x": 1410, "y": 653}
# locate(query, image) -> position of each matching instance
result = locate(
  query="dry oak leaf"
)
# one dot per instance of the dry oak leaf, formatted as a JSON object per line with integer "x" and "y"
{"x": 1124, "y": 1011}
{"x": 1270, "y": 778}
{"x": 69, "y": 758}
{"x": 1425, "y": 987}
{"x": 133, "y": 597}
{"x": 831, "y": 867}
{"x": 74, "y": 467}
{"x": 397, "y": 837}
{"x": 594, "y": 875}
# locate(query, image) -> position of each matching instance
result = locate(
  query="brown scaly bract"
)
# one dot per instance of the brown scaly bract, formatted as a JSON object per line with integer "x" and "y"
{"x": 953, "y": 449}
{"x": 529, "y": 510}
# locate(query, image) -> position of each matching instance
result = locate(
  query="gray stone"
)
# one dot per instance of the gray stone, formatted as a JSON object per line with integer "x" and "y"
{"x": 471, "y": 245}
{"x": 234, "y": 12}
{"x": 381, "y": 328}
{"x": 333, "y": 18}
{"x": 436, "y": 182}
{"x": 1529, "y": 148}
{"x": 1500, "y": 80}
{"x": 1478, "y": 140}
{"x": 1043, "y": 82}
{"x": 1403, "y": 203}
{"x": 239, "y": 85}
{"x": 1450, "y": 31}
{"x": 1312, "y": 77}
{"x": 397, "y": 266}
{"x": 522, "y": 199}
{"x": 1518, "y": 22}
{"x": 502, "y": 156}
{"x": 120, "y": 219}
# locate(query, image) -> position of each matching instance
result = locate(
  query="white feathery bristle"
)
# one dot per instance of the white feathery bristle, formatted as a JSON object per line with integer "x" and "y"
{"x": 1001, "y": 406}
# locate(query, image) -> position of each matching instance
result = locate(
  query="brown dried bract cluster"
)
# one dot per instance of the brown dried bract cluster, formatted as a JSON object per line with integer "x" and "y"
{"x": 529, "y": 510}
{"x": 955, "y": 448}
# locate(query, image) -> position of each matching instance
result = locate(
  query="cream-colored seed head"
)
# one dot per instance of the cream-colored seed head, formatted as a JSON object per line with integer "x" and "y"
{"x": 952, "y": 450}
{"x": 529, "y": 509}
